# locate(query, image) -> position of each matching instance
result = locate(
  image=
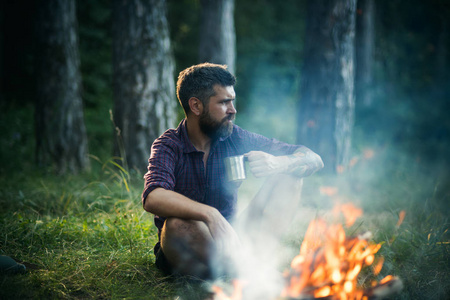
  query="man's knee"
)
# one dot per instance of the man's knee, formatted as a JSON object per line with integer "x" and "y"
{"x": 275, "y": 203}
{"x": 182, "y": 227}
{"x": 175, "y": 226}
{"x": 186, "y": 246}
{"x": 184, "y": 234}
{"x": 284, "y": 182}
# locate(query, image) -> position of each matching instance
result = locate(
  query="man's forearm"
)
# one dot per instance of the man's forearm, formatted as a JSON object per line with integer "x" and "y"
{"x": 166, "y": 203}
{"x": 303, "y": 162}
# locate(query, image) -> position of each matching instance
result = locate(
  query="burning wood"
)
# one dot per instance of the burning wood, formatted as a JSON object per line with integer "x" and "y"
{"x": 380, "y": 291}
{"x": 329, "y": 263}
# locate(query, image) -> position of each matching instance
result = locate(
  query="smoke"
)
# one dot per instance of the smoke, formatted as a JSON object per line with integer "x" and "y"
{"x": 267, "y": 103}
{"x": 261, "y": 226}
{"x": 383, "y": 181}
{"x": 397, "y": 163}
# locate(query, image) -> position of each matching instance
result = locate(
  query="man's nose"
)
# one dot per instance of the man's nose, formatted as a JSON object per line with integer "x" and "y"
{"x": 231, "y": 109}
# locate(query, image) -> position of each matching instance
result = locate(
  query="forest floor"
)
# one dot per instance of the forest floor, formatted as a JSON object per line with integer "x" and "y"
{"x": 87, "y": 237}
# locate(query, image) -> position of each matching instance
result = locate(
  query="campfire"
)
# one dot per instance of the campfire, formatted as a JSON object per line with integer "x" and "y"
{"x": 329, "y": 264}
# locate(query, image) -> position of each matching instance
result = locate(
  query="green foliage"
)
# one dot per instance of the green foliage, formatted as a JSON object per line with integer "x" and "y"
{"x": 16, "y": 138}
{"x": 184, "y": 22}
{"x": 95, "y": 45}
{"x": 81, "y": 237}
{"x": 418, "y": 252}
{"x": 99, "y": 255}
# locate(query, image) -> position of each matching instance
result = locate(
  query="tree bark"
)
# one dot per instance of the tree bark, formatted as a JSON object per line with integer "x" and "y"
{"x": 365, "y": 43}
{"x": 144, "y": 88}
{"x": 61, "y": 139}
{"x": 217, "y": 33}
{"x": 326, "y": 108}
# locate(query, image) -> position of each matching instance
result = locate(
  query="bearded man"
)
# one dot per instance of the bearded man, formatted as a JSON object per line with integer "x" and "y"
{"x": 186, "y": 187}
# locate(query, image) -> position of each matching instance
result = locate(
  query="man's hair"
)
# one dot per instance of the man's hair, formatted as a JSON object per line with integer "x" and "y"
{"x": 198, "y": 81}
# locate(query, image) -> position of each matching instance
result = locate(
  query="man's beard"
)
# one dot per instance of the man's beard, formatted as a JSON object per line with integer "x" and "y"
{"x": 215, "y": 129}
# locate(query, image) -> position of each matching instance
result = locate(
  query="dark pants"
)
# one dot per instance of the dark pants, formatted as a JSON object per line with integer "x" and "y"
{"x": 161, "y": 261}
{"x": 164, "y": 265}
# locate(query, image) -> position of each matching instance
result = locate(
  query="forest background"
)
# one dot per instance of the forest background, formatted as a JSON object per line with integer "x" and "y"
{"x": 399, "y": 144}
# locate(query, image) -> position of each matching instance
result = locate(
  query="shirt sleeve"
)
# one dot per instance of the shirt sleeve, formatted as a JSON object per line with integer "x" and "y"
{"x": 255, "y": 142}
{"x": 161, "y": 167}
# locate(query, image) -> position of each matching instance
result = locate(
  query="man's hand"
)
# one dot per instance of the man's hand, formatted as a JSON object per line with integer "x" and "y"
{"x": 263, "y": 164}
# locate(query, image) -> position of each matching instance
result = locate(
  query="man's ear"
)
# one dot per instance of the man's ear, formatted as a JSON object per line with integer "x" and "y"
{"x": 196, "y": 106}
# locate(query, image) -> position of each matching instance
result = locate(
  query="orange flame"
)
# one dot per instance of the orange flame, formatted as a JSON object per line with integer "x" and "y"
{"x": 350, "y": 212}
{"x": 329, "y": 262}
{"x": 236, "y": 295}
{"x": 401, "y": 217}
{"x": 386, "y": 279}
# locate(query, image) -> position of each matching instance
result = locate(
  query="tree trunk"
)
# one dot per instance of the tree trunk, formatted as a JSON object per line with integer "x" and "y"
{"x": 61, "y": 139}
{"x": 365, "y": 43}
{"x": 144, "y": 88}
{"x": 217, "y": 33}
{"x": 326, "y": 108}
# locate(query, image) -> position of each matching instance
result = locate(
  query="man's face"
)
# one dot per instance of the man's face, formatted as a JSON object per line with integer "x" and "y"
{"x": 216, "y": 121}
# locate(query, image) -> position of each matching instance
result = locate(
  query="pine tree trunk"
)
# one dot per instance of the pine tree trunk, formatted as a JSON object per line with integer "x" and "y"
{"x": 217, "y": 33}
{"x": 61, "y": 139}
{"x": 144, "y": 88}
{"x": 326, "y": 108}
{"x": 365, "y": 43}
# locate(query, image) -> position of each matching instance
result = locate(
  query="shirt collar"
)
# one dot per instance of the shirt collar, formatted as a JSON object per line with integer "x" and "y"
{"x": 188, "y": 147}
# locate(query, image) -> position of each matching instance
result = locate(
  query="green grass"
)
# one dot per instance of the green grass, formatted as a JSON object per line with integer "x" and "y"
{"x": 86, "y": 236}
{"x": 82, "y": 237}
{"x": 87, "y": 239}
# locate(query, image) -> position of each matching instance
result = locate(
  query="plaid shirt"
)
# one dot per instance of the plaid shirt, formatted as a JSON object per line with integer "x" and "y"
{"x": 176, "y": 165}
